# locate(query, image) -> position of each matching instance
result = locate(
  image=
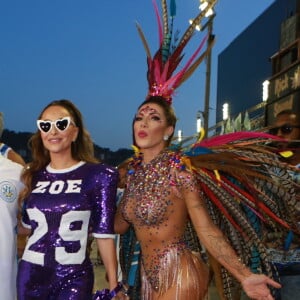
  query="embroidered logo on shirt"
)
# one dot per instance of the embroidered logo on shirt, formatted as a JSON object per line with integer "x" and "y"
{"x": 8, "y": 191}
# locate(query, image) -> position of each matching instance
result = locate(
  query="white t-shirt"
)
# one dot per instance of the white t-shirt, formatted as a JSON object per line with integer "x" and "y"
{"x": 10, "y": 186}
{"x": 4, "y": 149}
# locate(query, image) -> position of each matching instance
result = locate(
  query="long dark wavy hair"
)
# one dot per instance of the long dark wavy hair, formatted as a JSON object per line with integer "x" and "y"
{"x": 82, "y": 149}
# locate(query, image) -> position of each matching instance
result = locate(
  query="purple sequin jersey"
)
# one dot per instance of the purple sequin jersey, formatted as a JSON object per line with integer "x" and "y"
{"x": 65, "y": 206}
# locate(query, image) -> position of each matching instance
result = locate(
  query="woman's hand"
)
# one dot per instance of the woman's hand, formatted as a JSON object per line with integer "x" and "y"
{"x": 122, "y": 292}
{"x": 121, "y": 296}
{"x": 119, "y": 293}
{"x": 256, "y": 286}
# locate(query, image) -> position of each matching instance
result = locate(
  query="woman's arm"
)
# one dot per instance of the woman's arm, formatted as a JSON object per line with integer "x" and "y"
{"x": 216, "y": 244}
{"x": 107, "y": 250}
{"x": 120, "y": 224}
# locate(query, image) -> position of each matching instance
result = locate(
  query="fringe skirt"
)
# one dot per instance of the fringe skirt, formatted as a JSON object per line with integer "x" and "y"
{"x": 182, "y": 276}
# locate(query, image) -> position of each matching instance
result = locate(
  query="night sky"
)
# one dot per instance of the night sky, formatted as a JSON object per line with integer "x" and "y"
{"x": 89, "y": 52}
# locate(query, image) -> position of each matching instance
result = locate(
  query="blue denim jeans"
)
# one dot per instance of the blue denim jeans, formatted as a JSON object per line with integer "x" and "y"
{"x": 290, "y": 287}
{"x": 290, "y": 282}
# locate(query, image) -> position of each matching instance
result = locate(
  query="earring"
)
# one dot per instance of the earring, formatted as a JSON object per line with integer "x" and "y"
{"x": 166, "y": 137}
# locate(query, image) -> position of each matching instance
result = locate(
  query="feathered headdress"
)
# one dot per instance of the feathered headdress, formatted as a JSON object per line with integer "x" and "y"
{"x": 161, "y": 78}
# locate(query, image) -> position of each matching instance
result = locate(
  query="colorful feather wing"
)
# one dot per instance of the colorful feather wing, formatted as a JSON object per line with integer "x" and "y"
{"x": 246, "y": 187}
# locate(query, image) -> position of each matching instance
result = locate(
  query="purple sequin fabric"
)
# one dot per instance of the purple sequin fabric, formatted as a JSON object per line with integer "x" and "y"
{"x": 65, "y": 206}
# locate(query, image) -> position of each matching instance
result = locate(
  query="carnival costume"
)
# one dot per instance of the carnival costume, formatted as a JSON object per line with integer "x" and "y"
{"x": 237, "y": 176}
{"x": 77, "y": 201}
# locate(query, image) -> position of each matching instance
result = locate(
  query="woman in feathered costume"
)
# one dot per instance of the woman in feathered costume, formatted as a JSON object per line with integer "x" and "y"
{"x": 208, "y": 186}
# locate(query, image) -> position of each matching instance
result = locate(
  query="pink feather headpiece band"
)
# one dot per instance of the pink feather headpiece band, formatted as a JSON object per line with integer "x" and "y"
{"x": 161, "y": 80}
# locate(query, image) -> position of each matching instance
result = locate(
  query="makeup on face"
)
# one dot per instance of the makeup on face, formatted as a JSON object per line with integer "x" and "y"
{"x": 148, "y": 111}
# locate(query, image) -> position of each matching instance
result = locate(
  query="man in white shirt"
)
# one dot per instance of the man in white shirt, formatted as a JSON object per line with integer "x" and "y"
{"x": 10, "y": 186}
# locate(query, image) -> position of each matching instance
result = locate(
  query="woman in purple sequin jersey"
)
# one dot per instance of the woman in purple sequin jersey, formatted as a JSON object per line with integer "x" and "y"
{"x": 69, "y": 195}
{"x": 159, "y": 199}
